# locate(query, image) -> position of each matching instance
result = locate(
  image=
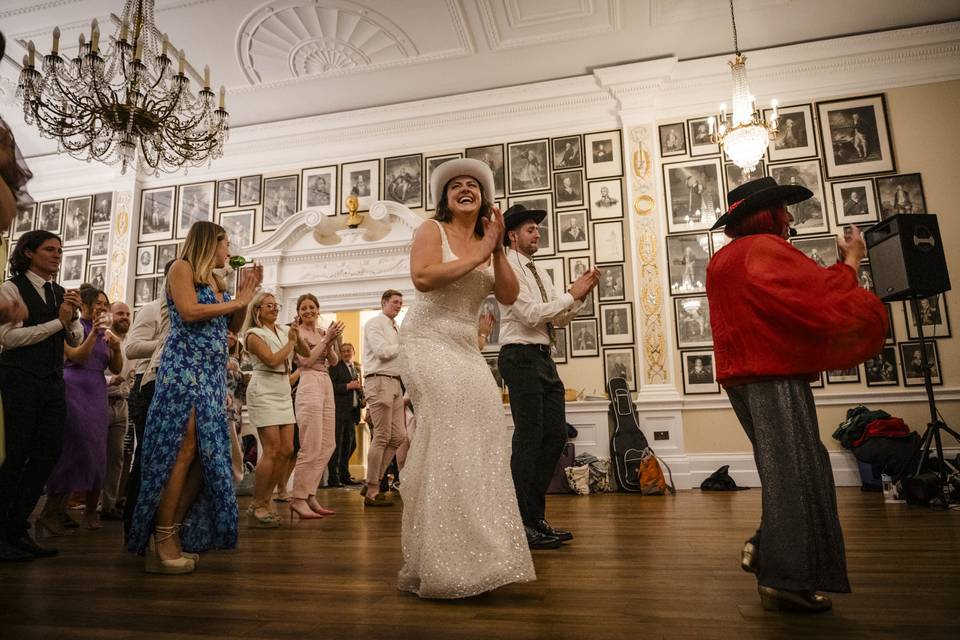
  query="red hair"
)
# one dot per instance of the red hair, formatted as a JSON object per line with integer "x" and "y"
{"x": 773, "y": 220}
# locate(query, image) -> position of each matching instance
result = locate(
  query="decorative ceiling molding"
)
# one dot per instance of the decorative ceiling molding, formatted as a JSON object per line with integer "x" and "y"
{"x": 35, "y": 7}
{"x": 667, "y": 12}
{"x": 506, "y": 26}
{"x": 519, "y": 16}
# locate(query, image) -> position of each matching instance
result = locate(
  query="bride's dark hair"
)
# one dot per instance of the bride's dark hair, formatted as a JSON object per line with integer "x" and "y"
{"x": 444, "y": 214}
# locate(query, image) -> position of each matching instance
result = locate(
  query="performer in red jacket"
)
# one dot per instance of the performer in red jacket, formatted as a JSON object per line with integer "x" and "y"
{"x": 778, "y": 319}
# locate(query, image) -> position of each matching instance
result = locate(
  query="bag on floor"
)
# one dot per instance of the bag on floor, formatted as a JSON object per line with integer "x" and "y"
{"x": 558, "y": 484}
{"x": 579, "y": 479}
{"x": 650, "y": 475}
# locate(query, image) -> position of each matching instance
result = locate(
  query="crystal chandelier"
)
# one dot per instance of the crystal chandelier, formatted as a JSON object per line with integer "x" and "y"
{"x": 110, "y": 101}
{"x": 742, "y": 132}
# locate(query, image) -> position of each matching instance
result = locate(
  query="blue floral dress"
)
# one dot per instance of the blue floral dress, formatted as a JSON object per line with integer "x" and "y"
{"x": 192, "y": 375}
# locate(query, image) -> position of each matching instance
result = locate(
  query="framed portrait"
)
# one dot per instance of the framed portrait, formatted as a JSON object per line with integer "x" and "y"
{"x": 589, "y": 308}
{"x": 249, "y": 191}
{"x": 865, "y": 275}
{"x": 102, "y": 209}
{"x": 855, "y": 202}
{"x": 737, "y": 176}
{"x": 403, "y": 180}
{"x": 822, "y": 250}
{"x": 692, "y": 194}
{"x": 553, "y": 267}
{"x": 606, "y": 199}
{"x": 99, "y": 244}
{"x": 558, "y": 350}
{"x": 881, "y": 369}
{"x": 912, "y": 363}
{"x": 718, "y": 240}
{"x": 584, "y": 338}
{"x": 143, "y": 291}
{"x": 226, "y": 193}
{"x": 23, "y": 221}
{"x": 608, "y": 242}
{"x": 673, "y": 139}
{"x": 493, "y": 363}
{"x": 166, "y": 253}
{"x": 855, "y": 136}
{"x": 97, "y": 275}
{"x": 492, "y": 154}
{"x": 616, "y": 323}
{"x": 576, "y": 267}
{"x": 146, "y": 260}
{"x": 900, "y": 194}
{"x": 572, "y": 230}
{"x": 529, "y": 166}
{"x": 619, "y": 363}
{"x": 361, "y": 179}
{"x": 818, "y": 383}
{"x": 693, "y": 322}
{"x": 431, "y": 164}
{"x": 809, "y": 216}
{"x": 567, "y": 152}
{"x": 701, "y": 142}
{"x": 568, "y": 188}
{"x": 687, "y": 258}
{"x": 934, "y": 317}
{"x": 194, "y": 203}
{"x": 280, "y": 199}
{"x": 73, "y": 268}
{"x": 610, "y": 287}
{"x": 51, "y": 216}
{"x": 320, "y": 189}
{"x": 844, "y": 376}
{"x": 239, "y": 228}
{"x": 604, "y": 155}
{"x": 699, "y": 372}
{"x": 76, "y": 222}
{"x": 795, "y": 139}
{"x": 540, "y": 201}
{"x": 490, "y": 306}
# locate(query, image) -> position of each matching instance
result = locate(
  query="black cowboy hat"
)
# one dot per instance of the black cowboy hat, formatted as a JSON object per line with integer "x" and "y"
{"x": 759, "y": 194}
{"x": 517, "y": 215}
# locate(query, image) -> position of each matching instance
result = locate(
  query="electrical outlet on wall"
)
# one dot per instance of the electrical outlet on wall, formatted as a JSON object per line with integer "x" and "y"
{"x": 661, "y": 435}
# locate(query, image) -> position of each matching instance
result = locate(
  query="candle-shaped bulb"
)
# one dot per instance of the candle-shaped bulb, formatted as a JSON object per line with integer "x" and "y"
{"x": 56, "y": 41}
{"x": 123, "y": 31}
{"x": 166, "y": 43}
{"x": 723, "y": 111}
{"x": 183, "y": 61}
{"x": 82, "y": 45}
{"x": 753, "y": 104}
{"x": 31, "y": 53}
{"x": 94, "y": 36}
{"x": 774, "y": 103}
{"x": 206, "y": 76}
{"x": 138, "y": 53}
{"x": 223, "y": 97}
{"x": 712, "y": 123}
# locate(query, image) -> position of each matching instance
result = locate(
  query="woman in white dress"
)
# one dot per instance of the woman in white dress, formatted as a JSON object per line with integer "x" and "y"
{"x": 462, "y": 533}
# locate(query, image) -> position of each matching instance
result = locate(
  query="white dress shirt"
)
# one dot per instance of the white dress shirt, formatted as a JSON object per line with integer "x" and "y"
{"x": 381, "y": 346}
{"x": 16, "y": 335}
{"x": 525, "y": 321}
{"x": 145, "y": 339}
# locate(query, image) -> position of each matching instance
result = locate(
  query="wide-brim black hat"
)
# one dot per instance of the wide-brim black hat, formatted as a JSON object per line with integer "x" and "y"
{"x": 759, "y": 194}
{"x": 518, "y": 214}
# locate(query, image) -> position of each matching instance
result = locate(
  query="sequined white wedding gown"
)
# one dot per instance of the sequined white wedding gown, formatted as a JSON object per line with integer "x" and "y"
{"x": 462, "y": 533}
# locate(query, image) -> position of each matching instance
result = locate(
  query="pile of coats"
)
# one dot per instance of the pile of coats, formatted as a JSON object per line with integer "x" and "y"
{"x": 878, "y": 439}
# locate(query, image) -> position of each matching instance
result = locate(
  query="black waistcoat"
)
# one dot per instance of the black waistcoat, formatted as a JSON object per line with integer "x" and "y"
{"x": 45, "y": 358}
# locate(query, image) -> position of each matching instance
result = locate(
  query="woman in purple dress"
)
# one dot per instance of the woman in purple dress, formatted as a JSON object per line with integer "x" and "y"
{"x": 83, "y": 460}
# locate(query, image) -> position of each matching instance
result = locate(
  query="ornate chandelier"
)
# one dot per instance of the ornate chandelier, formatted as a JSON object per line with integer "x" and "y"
{"x": 108, "y": 102}
{"x": 742, "y": 133}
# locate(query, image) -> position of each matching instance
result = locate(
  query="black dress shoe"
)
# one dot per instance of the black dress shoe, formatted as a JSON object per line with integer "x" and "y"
{"x": 538, "y": 540}
{"x": 352, "y": 483}
{"x": 801, "y": 601}
{"x": 336, "y": 483}
{"x": 10, "y": 553}
{"x": 27, "y": 544}
{"x": 544, "y": 527}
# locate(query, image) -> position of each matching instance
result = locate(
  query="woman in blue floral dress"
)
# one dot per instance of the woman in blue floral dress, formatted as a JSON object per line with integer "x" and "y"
{"x": 187, "y": 481}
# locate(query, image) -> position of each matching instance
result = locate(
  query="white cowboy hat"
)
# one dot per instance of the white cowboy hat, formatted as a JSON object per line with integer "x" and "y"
{"x": 461, "y": 167}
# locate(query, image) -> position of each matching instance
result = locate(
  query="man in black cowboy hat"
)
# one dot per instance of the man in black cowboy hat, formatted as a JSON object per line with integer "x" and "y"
{"x": 536, "y": 391}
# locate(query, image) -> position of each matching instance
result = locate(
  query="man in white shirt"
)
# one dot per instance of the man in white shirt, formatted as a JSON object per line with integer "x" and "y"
{"x": 536, "y": 391}
{"x": 118, "y": 392}
{"x": 381, "y": 385}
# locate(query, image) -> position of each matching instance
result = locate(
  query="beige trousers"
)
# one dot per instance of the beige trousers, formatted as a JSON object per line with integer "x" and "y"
{"x": 385, "y": 417}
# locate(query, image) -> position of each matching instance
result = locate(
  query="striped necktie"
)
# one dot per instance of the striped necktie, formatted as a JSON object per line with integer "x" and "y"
{"x": 543, "y": 294}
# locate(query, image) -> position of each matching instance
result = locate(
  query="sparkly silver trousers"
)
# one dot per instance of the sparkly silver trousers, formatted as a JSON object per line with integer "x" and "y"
{"x": 799, "y": 541}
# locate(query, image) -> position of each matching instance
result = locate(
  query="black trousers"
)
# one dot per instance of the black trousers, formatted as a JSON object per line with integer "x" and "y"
{"x": 338, "y": 469}
{"x": 539, "y": 423}
{"x": 34, "y": 410}
{"x": 138, "y": 406}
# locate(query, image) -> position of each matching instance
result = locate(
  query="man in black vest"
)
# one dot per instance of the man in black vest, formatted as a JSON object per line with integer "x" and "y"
{"x": 348, "y": 399}
{"x": 31, "y": 383}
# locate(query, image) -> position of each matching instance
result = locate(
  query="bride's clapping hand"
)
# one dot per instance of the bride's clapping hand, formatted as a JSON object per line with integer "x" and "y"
{"x": 492, "y": 232}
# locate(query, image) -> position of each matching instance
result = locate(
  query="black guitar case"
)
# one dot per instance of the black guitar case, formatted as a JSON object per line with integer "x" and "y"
{"x": 628, "y": 444}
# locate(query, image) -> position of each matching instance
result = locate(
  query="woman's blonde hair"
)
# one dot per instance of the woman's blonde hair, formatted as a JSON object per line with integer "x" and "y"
{"x": 253, "y": 312}
{"x": 200, "y": 250}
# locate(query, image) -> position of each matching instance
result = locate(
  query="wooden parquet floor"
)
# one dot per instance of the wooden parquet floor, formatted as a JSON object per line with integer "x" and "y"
{"x": 639, "y": 568}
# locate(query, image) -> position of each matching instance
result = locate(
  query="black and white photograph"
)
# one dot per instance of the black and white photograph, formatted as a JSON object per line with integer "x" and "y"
{"x": 102, "y": 208}
{"x": 693, "y": 194}
{"x": 147, "y": 260}
{"x": 901, "y": 194}
{"x": 76, "y": 222}
{"x": 855, "y": 136}
{"x": 619, "y": 363}
{"x": 156, "y": 214}
{"x": 699, "y": 372}
{"x": 881, "y": 370}
{"x": 249, "y": 191}
{"x": 584, "y": 340}
{"x": 576, "y": 267}
{"x": 933, "y": 316}
{"x": 99, "y": 244}
{"x": 490, "y": 307}
{"x": 602, "y": 154}
{"x": 796, "y": 138}
{"x": 544, "y": 203}
{"x": 818, "y": 383}
{"x": 226, "y": 193}
{"x": 610, "y": 287}
{"x": 809, "y": 216}
{"x": 693, "y": 322}
{"x": 431, "y": 164}
{"x": 558, "y": 350}
{"x": 718, "y": 240}
{"x": 567, "y": 152}
{"x": 608, "y": 242}
{"x": 165, "y": 253}
{"x": 606, "y": 199}
{"x": 280, "y": 198}
{"x": 865, "y": 276}
{"x": 143, "y": 291}
{"x": 843, "y": 376}
{"x": 51, "y": 216}
{"x": 616, "y": 323}
{"x": 572, "y": 230}
{"x": 361, "y": 179}
{"x": 687, "y": 258}
{"x": 568, "y": 188}
{"x": 822, "y": 250}
{"x": 492, "y": 155}
{"x": 737, "y": 176}
{"x": 73, "y": 268}
{"x": 23, "y": 221}
{"x": 553, "y": 267}
{"x": 673, "y": 140}
{"x": 97, "y": 275}
{"x": 239, "y": 228}
{"x": 194, "y": 203}
{"x": 320, "y": 189}
{"x": 403, "y": 180}
{"x": 855, "y": 202}
{"x": 529, "y": 166}
{"x": 701, "y": 142}
{"x": 912, "y": 363}
{"x": 589, "y": 308}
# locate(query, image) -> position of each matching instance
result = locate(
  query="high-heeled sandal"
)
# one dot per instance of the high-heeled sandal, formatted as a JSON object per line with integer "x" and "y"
{"x": 46, "y": 525}
{"x": 153, "y": 563}
{"x": 304, "y": 512}
{"x": 748, "y": 557}
{"x": 317, "y": 508}
{"x": 269, "y": 521}
{"x": 177, "y": 526}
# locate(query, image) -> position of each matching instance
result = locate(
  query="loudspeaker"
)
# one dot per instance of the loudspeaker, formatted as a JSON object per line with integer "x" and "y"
{"x": 906, "y": 257}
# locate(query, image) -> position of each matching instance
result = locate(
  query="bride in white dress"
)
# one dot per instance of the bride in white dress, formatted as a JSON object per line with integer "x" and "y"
{"x": 462, "y": 533}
